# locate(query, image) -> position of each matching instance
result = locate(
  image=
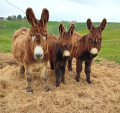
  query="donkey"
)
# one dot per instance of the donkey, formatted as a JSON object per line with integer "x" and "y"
{"x": 30, "y": 48}
{"x": 85, "y": 48}
{"x": 60, "y": 50}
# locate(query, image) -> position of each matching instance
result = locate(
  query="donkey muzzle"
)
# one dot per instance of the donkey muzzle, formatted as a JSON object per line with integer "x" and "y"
{"x": 38, "y": 52}
{"x": 66, "y": 53}
{"x": 39, "y": 56}
{"x": 94, "y": 51}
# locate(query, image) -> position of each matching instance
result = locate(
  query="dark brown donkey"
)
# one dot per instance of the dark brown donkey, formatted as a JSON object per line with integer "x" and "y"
{"x": 85, "y": 48}
{"x": 30, "y": 47}
{"x": 60, "y": 50}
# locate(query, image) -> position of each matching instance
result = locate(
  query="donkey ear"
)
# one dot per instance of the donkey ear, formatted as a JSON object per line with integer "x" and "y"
{"x": 44, "y": 17}
{"x": 31, "y": 17}
{"x": 89, "y": 24}
{"x": 71, "y": 30}
{"x": 61, "y": 30}
{"x": 103, "y": 24}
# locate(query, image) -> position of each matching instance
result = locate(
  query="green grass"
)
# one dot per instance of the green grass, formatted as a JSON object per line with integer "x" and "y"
{"x": 5, "y": 43}
{"x": 97, "y": 60}
{"x": 110, "y": 43}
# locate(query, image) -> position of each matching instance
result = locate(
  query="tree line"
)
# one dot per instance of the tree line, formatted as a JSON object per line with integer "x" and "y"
{"x": 14, "y": 17}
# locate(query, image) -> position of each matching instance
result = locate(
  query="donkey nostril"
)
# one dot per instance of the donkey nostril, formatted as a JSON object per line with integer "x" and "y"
{"x": 39, "y": 55}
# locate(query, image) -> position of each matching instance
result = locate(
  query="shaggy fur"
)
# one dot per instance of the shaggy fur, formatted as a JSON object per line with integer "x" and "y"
{"x": 24, "y": 43}
{"x": 85, "y": 48}
{"x": 60, "y": 50}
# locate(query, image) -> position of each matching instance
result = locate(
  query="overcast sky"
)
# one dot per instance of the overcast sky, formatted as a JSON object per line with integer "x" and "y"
{"x": 67, "y": 10}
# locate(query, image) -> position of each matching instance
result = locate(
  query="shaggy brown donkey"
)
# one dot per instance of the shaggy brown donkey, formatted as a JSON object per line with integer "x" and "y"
{"x": 60, "y": 50}
{"x": 30, "y": 47}
{"x": 85, "y": 48}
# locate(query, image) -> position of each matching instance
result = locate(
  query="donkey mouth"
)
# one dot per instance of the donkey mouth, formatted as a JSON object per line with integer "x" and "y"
{"x": 38, "y": 56}
{"x": 93, "y": 55}
{"x": 66, "y": 57}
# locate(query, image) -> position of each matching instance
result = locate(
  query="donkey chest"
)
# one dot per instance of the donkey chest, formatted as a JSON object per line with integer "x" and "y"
{"x": 61, "y": 62}
{"x": 86, "y": 56}
{"x": 38, "y": 65}
{"x": 59, "y": 58}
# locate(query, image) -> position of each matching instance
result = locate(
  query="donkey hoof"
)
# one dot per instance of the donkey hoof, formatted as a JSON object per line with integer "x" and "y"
{"x": 63, "y": 81}
{"x": 77, "y": 79}
{"x": 29, "y": 89}
{"x": 21, "y": 72}
{"x": 57, "y": 85}
{"x": 47, "y": 88}
{"x": 89, "y": 82}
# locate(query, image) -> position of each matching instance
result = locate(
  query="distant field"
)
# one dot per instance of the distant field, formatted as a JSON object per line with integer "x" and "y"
{"x": 110, "y": 45}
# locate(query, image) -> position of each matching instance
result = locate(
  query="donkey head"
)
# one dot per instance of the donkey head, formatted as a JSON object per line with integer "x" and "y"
{"x": 38, "y": 32}
{"x": 65, "y": 40}
{"x": 95, "y": 36}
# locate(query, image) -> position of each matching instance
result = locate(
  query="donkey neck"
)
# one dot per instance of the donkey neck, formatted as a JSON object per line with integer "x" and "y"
{"x": 84, "y": 44}
{"x": 59, "y": 56}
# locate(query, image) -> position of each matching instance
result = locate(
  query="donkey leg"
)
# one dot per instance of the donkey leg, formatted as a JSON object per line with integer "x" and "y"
{"x": 88, "y": 70}
{"x": 22, "y": 69}
{"x": 78, "y": 69}
{"x": 51, "y": 65}
{"x": 28, "y": 73}
{"x": 58, "y": 73}
{"x": 69, "y": 64}
{"x": 63, "y": 74}
{"x": 44, "y": 77}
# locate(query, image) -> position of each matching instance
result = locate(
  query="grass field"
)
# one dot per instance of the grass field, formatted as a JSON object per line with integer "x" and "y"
{"x": 110, "y": 45}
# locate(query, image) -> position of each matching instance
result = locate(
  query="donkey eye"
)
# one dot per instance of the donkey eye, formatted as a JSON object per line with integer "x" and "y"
{"x": 44, "y": 37}
{"x": 33, "y": 37}
{"x": 66, "y": 47}
{"x": 99, "y": 40}
{"x": 90, "y": 39}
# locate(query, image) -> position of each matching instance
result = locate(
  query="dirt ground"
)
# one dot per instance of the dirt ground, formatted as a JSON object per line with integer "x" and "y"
{"x": 102, "y": 96}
